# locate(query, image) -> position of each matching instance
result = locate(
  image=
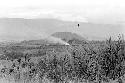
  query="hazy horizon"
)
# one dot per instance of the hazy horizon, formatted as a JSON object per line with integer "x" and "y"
{"x": 31, "y": 29}
{"x": 98, "y": 19}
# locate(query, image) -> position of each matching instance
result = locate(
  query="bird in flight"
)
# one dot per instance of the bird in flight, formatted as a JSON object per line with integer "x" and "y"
{"x": 78, "y": 25}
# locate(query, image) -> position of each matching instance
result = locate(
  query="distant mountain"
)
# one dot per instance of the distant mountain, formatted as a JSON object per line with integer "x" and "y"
{"x": 67, "y": 36}
{"x": 34, "y": 42}
{"x": 48, "y": 40}
{"x": 70, "y": 38}
{"x": 64, "y": 38}
{"x": 36, "y": 29}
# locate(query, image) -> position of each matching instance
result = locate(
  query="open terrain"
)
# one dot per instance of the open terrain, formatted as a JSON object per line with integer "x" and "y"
{"x": 71, "y": 60}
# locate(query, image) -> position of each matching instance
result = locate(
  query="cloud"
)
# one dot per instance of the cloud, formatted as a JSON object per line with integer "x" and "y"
{"x": 28, "y": 13}
{"x": 97, "y": 11}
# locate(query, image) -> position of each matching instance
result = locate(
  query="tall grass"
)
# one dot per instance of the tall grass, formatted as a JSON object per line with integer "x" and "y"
{"x": 90, "y": 62}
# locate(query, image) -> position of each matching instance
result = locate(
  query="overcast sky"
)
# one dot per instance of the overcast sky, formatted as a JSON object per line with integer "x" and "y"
{"x": 93, "y": 11}
{"x": 98, "y": 11}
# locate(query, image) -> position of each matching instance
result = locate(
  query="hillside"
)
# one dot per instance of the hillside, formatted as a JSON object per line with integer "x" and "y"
{"x": 33, "y": 29}
{"x": 47, "y": 40}
{"x": 68, "y": 36}
{"x": 71, "y": 38}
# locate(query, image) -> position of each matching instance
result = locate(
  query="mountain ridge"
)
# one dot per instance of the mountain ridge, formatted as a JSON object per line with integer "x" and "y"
{"x": 28, "y": 29}
{"x": 68, "y": 36}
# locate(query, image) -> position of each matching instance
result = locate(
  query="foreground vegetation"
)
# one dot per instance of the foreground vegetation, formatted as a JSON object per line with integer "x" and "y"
{"x": 85, "y": 62}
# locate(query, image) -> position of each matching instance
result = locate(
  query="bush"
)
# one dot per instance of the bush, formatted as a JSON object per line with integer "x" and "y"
{"x": 111, "y": 60}
{"x": 13, "y": 55}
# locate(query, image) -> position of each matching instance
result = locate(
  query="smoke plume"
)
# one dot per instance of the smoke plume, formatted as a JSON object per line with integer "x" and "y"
{"x": 56, "y": 40}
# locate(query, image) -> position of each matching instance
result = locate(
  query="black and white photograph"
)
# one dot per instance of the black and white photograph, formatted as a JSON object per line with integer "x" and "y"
{"x": 62, "y": 41}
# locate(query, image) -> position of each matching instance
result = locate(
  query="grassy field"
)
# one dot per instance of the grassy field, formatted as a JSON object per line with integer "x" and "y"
{"x": 82, "y": 62}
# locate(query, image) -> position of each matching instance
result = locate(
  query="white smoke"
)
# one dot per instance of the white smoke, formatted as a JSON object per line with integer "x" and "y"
{"x": 56, "y": 40}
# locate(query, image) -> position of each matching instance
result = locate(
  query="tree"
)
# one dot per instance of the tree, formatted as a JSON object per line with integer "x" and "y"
{"x": 111, "y": 60}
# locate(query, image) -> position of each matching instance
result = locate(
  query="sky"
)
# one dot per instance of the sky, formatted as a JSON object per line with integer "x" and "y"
{"x": 92, "y": 11}
{"x": 97, "y": 11}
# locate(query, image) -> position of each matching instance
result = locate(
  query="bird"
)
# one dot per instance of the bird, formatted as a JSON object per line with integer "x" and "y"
{"x": 78, "y": 25}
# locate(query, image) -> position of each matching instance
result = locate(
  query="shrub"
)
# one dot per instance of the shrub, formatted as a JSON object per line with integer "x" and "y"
{"x": 111, "y": 60}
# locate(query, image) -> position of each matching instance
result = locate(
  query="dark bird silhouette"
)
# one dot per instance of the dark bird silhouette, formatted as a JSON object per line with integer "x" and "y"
{"x": 78, "y": 25}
